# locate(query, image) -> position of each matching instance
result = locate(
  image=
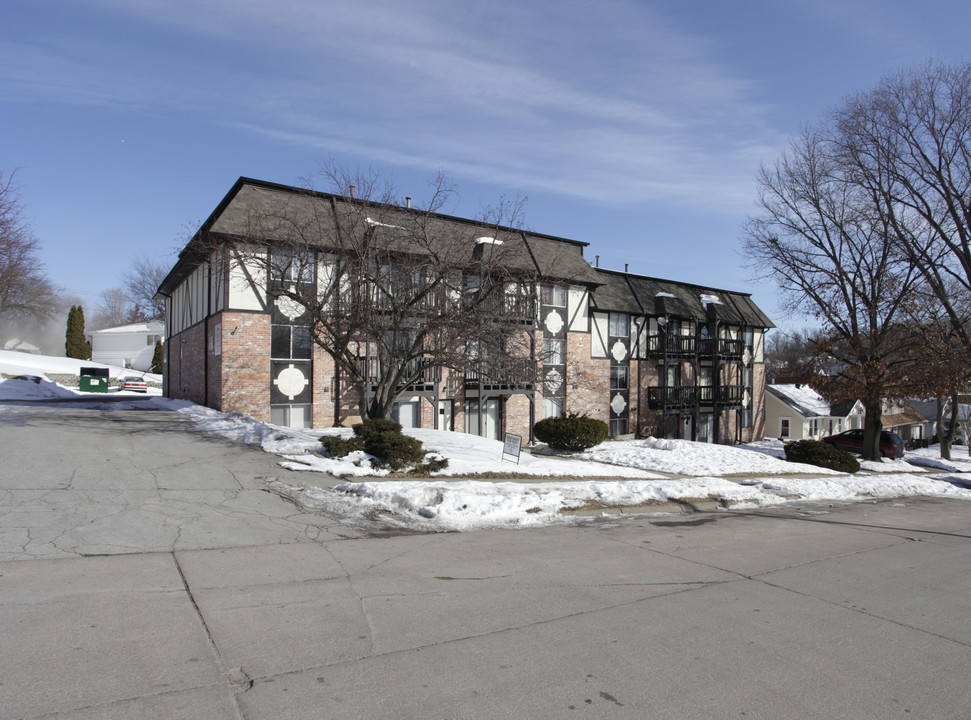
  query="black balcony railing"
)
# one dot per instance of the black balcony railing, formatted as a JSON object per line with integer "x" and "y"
{"x": 672, "y": 345}
{"x": 669, "y": 398}
{"x": 728, "y": 347}
{"x": 420, "y": 375}
{"x": 511, "y": 375}
{"x": 688, "y": 396}
{"x": 662, "y": 344}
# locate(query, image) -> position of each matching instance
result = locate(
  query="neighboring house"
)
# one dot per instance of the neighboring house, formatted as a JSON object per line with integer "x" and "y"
{"x": 129, "y": 346}
{"x": 899, "y": 417}
{"x": 647, "y": 356}
{"x": 928, "y": 411}
{"x": 797, "y": 412}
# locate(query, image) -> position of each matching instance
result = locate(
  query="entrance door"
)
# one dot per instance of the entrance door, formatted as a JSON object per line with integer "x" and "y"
{"x": 490, "y": 419}
{"x": 686, "y": 427}
{"x": 706, "y": 428}
{"x": 489, "y": 426}
{"x": 445, "y": 415}
{"x": 405, "y": 413}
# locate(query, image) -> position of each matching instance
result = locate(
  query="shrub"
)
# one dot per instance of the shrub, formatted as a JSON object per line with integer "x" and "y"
{"x": 337, "y": 446}
{"x": 820, "y": 454}
{"x": 376, "y": 425}
{"x": 384, "y": 439}
{"x": 571, "y": 432}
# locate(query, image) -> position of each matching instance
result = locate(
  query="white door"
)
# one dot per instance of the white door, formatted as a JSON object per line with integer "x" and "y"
{"x": 445, "y": 415}
{"x": 490, "y": 419}
{"x": 405, "y": 413}
{"x": 686, "y": 428}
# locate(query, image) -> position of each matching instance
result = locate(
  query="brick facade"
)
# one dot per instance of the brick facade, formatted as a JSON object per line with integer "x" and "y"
{"x": 223, "y": 359}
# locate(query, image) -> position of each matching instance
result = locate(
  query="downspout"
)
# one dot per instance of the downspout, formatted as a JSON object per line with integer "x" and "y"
{"x": 205, "y": 335}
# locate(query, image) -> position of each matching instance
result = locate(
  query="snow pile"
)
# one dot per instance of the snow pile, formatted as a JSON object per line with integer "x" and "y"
{"x": 639, "y": 475}
{"x": 468, "y": 504}
{"x": 683, "y": 457}
{"x": 30, "y": 387}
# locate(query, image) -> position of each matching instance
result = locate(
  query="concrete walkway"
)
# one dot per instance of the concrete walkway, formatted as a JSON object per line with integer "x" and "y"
{"x": 146, "y": 573}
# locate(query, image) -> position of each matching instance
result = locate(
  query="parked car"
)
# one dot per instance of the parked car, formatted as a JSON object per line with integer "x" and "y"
{"x": 891, "y": 445}
{"x": 133, "y": 383}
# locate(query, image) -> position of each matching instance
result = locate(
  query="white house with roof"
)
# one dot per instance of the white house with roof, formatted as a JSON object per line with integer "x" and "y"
{"x": 130, "y": 346}
{"x": 797, "y": 412}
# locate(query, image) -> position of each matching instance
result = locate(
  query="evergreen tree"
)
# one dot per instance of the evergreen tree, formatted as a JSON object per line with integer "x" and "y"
{"x": 76, "y": 346}
{"x": 157, "y": 358}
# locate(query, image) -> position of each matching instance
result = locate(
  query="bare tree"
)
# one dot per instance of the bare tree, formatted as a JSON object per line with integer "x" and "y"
{"x": 793, "y": 356}
{"x": 907, "y": 143}
{"x": 141, "y": 286}
{"x": 394, "y": 292}
{"x": 25, "y": 291}
{"x": 113, "y": 310}
{"x": 824, "y": 241}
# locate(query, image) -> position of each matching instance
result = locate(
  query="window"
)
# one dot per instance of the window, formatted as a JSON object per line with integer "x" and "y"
{"x": 554, "y": 351}
{"x": 292, "y": 266}
{"x": 673, "y": 376}
{"x": 554, "y": 295}
{"x": 784, "y": 427}
{"x": 619, "y": 377}
{"x": 291, "y": 342}
{"x": 552, "y": 407}
{"x": 152, "y": 339}
{"x": 619, "y": 325}
{"x": 814, "y": 427}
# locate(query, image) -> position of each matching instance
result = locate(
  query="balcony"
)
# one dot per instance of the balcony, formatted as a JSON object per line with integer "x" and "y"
{"x": 425, "y": 376}
{"x": 683, "y": 397}
{"x": 662, "y": 344}
{"x": 512, "y": 376}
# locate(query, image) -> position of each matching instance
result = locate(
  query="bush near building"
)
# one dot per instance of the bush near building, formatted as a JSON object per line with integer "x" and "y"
{"x": 384, "y": 440}
{"x": 571, "y": 432}
{"x": 820, "y": 454}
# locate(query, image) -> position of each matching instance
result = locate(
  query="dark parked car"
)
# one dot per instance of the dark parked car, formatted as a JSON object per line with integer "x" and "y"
{"x": 891, "y": 445}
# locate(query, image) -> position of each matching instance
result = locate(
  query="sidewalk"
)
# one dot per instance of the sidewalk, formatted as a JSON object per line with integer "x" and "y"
{"x": 148, "y": 574}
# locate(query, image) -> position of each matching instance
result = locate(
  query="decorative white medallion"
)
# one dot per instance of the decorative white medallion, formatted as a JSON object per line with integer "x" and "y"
{"x": 554, "y": 323}
{"x": 618, "y": 404}
{"x": 553, "y": 381}
{"x": 290, "y": 308}
{"x": 618, "y": 351}
{"x": 290, "y": 382}
{"x": 747, "y": 357}
{"x": 746, "y": 399}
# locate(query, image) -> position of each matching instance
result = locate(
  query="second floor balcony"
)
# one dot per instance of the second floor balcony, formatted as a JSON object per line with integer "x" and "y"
{"x": 686, "y": 397}
{"x": 512, "y": 375}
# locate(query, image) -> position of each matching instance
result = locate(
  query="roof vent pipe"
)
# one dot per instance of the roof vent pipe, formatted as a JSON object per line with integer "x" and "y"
{"x": 408, "y": 203}
{"x": 353, "y": 188}
{"x": 625, "y": 267}
{"x": 598, "y": 260}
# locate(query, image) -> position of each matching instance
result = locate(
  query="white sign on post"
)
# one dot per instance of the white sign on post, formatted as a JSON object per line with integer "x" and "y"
{"x": 512, "y": 446}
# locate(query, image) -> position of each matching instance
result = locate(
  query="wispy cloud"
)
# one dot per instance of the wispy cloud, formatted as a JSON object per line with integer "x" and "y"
{"x": 608, "y": 102}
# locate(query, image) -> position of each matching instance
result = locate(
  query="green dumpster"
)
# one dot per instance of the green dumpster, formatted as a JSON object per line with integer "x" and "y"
{"x": 93, "y": 380}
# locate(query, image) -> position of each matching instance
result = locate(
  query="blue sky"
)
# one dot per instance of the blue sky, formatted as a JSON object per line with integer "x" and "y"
{"x": 634, "y": 126}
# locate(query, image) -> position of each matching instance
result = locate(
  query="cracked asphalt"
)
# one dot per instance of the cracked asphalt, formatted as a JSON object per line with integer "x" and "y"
{"x": 146, "y": 573}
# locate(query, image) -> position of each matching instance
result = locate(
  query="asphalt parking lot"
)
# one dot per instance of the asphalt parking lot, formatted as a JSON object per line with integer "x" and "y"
{"x": 145, "y": 572}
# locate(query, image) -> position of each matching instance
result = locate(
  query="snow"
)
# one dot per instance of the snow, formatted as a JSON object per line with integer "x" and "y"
{"x": 481, "y": 489}
{"x": 803, "y": 396}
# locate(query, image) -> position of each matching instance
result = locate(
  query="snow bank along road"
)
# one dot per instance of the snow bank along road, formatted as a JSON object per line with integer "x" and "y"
{"x": 146, "y": 572}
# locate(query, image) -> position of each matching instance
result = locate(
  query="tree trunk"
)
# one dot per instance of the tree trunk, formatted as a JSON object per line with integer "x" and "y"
{"x": 872, "y": 428}
{"x": 944, "y": 438}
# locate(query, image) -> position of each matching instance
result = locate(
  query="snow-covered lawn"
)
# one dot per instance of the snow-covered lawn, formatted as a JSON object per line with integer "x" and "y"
{"x": 482, "y": 488}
